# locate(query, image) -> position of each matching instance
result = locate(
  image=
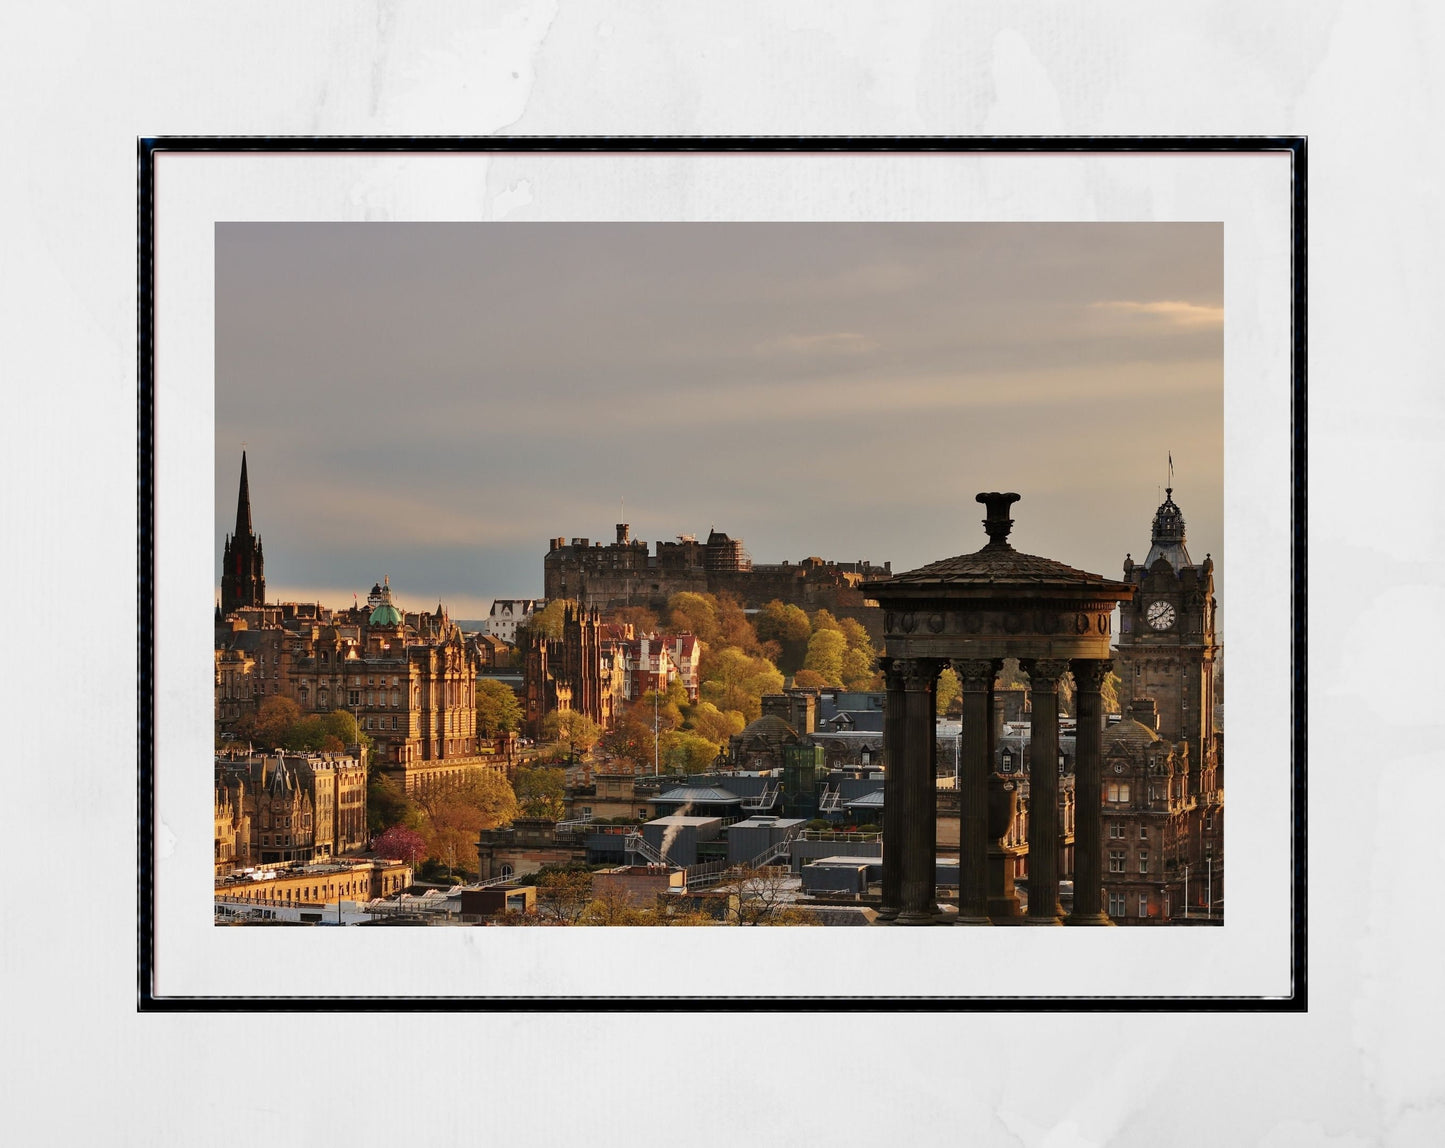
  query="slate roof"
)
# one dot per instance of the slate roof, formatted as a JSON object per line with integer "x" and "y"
{"x": 996, "y": 566}
{"x": 699, "y": 795}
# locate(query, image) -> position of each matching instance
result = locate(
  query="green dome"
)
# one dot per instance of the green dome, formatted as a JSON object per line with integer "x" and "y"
{"x": 385, "y": 615}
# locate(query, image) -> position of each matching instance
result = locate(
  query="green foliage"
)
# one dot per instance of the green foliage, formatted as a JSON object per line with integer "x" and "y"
{"x": 539, "y": 792}
{"x": 684, "y": 752}
{"x": 733, "y": 680}
{"x": 825, "y": 654}
{"x": 949, "y": 693}
{"x": 787, "y": 626}
{"x": 578, "y": 732}
{"x": 859, "y": 670}
{"x": 498, "y": 711}
{"x": 694, "y": 614}
{"x": 546, "y": 622}
{"x": 387, "y": 805}
{"x": 706, "y": 720}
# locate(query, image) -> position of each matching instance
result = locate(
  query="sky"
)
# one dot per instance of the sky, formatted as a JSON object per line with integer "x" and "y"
{"x": 434, "y": 402}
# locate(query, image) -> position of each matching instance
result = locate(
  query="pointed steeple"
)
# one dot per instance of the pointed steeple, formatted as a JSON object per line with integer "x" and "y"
{"x": 243, "y": 504}
{"x": 243, "y": 577}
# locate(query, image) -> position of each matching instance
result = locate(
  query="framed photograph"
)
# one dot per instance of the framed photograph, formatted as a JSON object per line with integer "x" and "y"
{"x": 394, "y": 383}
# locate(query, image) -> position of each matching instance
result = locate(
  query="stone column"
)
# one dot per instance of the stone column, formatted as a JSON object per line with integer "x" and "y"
{"x": 894, "y": 751}
{"x": 1088, "y": 908}
{"x": 918, "y": 793}
{"x": 976, "y": 676}
{"x": 1044, "y": 678}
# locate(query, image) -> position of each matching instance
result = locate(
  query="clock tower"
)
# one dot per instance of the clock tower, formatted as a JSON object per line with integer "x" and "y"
{"x": 1167, "y": 645}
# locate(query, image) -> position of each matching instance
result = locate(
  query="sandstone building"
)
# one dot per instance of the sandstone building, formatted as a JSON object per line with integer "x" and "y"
{"x": 624, "y": 573}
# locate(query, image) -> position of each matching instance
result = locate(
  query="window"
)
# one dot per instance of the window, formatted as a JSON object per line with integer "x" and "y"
{"x": 1143, "y": 905}
{"x": 394, "y": 722}
{"x": 1143, "y": 833}
{"x": 1116, "y": 829}
{"x": 1143, "y": 862}
{"x": 1116, "y": 904}
{"x": 353, "y": 698}
{"x": 1116, "y": 860}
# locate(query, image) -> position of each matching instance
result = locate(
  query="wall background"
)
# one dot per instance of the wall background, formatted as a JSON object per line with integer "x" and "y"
{"x": 81, "y": 81}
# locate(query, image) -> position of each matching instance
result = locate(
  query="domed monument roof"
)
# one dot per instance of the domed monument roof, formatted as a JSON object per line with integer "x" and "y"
{"x": 769, "y": 726}
{"x": 1130, "y": 734}
{"x": 384, "y": 613}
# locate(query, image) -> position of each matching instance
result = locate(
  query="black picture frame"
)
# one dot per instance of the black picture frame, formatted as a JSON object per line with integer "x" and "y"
{"x": 151, "y": 148}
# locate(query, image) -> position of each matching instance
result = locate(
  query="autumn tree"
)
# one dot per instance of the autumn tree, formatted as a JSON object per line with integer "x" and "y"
{"x": 546, "y": 622}
{"x": 733, "y": 627}
{"x": 948, "y": 693}
{"x": 499, "y": 713}
{"x": 788, "y": 626}
{"x": 540, "y": 792}
{"x": 400, "y": 844}
{"x": 388, "y": 805}
{"x": 810, "y": 679}
{"x": 685, "y": 752}
{"x": 274, "y": 718}
{"x": 693, "y": 614}
{"x": 571, "y": 728}
{"x": 563, "y": 894}
{"x": 825, "y": 654}
{"x": 640, "y": 618}
{"x": 612, "y": 908}
{"x": 706, "y": 720}
{"x": 733, "y": 680}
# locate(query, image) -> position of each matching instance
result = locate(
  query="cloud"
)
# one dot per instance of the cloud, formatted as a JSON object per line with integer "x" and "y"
{"x": 832, "y": 343}
{"x": 1175, "y": 312}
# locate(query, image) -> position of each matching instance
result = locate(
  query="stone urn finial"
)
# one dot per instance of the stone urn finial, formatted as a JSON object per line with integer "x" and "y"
{"x": 998, "y": 523}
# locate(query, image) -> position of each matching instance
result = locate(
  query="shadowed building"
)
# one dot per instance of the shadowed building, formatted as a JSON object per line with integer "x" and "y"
{"x": 971, "y": 612}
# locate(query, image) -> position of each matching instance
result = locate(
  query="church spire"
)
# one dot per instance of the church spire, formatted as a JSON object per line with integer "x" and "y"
{"x": 243, "y": 504}
{"x": 243, "y": 577}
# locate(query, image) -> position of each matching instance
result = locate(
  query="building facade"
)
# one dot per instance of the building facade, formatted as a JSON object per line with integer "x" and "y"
{"x": 624, "y": 573}
{"x": 1166, "y": 655}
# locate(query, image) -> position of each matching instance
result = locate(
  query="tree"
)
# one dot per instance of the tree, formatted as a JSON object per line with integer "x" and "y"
{"x": 611, "y": 907}
{"x": 546, "y": 622}
{"x": 400, "y": 844}
{"x": 733, "y": 627}
{"x": 684, "y": 752}
{"x": 789, "y": 627}
{"x": 484, "y": 792}
{"x": 810, "y": 679}
{"x": 733, "y": 680}
{"x": 948, "y": 693}
{"x": 540, "y": 792}
{"x": 274, "y": 719}
{"x": 762, "y": 899}
{"x": 630, "y": 738}
{"x": 499, "y": 713}
{"x": 387, "y": 805}
{"x": 825, "y": 654}
{"x": 563, "y": 894}
{"x": 571, "y": 728}
{"x": 708, "y": 721}
{"x": 824, "y": 620}
{"x": 642, "y": 620}
{"x": 693, "y": 614}
{"x": 860, "y": 669}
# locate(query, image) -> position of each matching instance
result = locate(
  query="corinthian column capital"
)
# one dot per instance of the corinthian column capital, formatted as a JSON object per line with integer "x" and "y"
{"x": 975, "y": 673}
{"x": 1044, "y": 672}
{"x": 1089, "y": 673}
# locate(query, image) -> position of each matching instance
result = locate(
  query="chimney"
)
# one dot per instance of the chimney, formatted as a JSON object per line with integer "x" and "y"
{"x": 1145, "y": 712}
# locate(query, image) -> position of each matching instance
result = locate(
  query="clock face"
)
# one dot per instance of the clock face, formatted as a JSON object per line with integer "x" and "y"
{"x": 1160, "y": 615}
